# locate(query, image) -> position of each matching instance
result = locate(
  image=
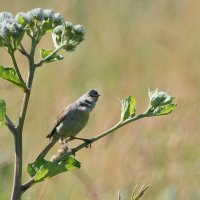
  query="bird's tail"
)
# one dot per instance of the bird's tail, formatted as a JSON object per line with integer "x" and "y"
{"x": 47, "y": 148}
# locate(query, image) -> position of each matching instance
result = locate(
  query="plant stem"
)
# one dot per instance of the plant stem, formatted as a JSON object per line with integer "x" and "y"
{"x": 23, "y": 51}
{"x": 10, "y": 125}
{"x": 16, "y": 193}
{"x": 38, "y": 64}
{"x": 117, "y": 126}
{"x": 18, "y": 72}
{"x": 101, "y": 135}
{"x": 30, "y": 182}
{"x": 17, "y": 189}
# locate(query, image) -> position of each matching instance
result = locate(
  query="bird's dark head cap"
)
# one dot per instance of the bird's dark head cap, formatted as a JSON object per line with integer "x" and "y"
{"x": 93, "y": 93}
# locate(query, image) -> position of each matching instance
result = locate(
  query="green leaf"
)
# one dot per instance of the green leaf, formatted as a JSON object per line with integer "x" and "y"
{"x": 164, "y": 110}
{"x": 47, "y": 26}
{"x": 43, "y": 169}
{"x": 128, "y": 107}
{"x": 10, "y": 75}
{"x": 44, "y": 53}
{"x": 2, "y": 112}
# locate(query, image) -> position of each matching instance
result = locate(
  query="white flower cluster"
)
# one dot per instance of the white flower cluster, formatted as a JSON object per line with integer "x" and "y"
{"x": 68, "y": 35}
{"x": 11, "y": 32}
{"x": 39, "y": 21}
{"x": 36, "y": 23}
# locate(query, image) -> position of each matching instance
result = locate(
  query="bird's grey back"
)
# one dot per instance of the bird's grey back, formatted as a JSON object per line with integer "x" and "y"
{"x": 75, "y": 116}
{"x": 71, "y": 121}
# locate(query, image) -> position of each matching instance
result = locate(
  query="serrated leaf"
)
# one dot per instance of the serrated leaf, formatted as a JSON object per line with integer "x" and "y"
{"x": 164, "y": 110}
{"x": 10, "y": 75}
{"x": 128, "y": 107}
{"x": 44, "y": 53}
{"x": 43, "y": 169}
{"x": 2, "y": 112}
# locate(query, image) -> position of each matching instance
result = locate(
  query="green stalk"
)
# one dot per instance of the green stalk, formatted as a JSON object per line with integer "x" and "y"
{"x": 50, "y": 55}
{"x": 30, "y": 182}
{"x": 17, "y": 189}
{"x": 18, "y": 72}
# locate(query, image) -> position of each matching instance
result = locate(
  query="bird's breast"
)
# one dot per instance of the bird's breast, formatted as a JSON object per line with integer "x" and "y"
{"x": 73, "y": 123}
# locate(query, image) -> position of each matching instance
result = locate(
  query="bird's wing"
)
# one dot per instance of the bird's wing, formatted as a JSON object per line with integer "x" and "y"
{"x": 57, "y": 122}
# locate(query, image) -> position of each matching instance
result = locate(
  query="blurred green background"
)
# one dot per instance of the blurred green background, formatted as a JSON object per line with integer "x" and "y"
{"x": 130, "y": 46}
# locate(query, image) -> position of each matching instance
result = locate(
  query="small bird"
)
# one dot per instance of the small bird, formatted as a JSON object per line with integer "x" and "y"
{"x": 72, "y": 120}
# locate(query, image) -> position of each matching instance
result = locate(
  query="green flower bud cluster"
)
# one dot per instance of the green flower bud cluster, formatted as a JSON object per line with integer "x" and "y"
{"x": 160, "y": 98}
{"x": 11, "y": 32}
{"x": 36, "y": 23}
{"x": 69, "y": 35}
{"x": 161, "y": 103}
{"x": 39, "y": 21}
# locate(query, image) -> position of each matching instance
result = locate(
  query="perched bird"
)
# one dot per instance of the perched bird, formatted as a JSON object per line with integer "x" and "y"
{"x": 72, "y": 120}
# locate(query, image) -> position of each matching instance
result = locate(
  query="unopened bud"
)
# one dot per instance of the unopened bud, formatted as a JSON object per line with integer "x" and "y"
{"x": 79, "y": 29}
{"x": 160, "y": 98}
{"x": 48, "y": 14}
{"x": 37, "y": 13}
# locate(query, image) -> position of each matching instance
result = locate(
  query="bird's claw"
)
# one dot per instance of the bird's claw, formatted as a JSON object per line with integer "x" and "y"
{"x": 73, "y": 151}
{"x": 88, "y": 143}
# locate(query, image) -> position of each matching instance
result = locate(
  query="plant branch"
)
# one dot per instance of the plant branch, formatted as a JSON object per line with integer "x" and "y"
{"x": 10, "y": 125}
{"x": 39, "y": 64}
{"x": 23, "y": 51}
{"x": 18, "y": 72}
{"x": 16, "y": 193}
{"x": 101, "y": 135}
{"x": 30, "y": 182}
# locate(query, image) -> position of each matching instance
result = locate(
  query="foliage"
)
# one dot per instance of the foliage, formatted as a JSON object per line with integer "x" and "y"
{"x": 161, "y": 103}
{"x": 43, "y": 169}
{"x": 35, "y": 24}
{"x": 45, "y": 53}
{"x": 10, "y": 75}
{"x": 127, "y": 108}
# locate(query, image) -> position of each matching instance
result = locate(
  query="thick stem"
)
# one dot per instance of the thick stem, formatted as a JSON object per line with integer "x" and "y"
{"x": 16, "y": 192}
{"x": 17, "y": 189}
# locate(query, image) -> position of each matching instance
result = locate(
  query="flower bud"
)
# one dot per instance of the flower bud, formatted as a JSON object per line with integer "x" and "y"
{"x": 5, "y": 15}
{"x": 48, "y": 14}
{"x": 11, "y": 34}
{"x": 68, "y": 25}
{"x": 79, "y": 29}
{"x": 160, "y": 98}
{"x": 4, "y": 30}
{"x": 37, "y": 13}
{"x": 58, "y": 30}
{"x": 57, "y": 19}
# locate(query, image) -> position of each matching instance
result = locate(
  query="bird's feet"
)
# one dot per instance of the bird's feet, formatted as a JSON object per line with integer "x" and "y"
{"x": 73, "y": 151}
{"x": 87, "y": 141}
